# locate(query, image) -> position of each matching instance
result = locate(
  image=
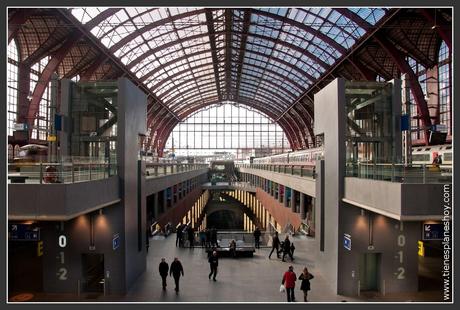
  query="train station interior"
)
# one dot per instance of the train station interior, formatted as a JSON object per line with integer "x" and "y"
{"x": 317, "y": 138}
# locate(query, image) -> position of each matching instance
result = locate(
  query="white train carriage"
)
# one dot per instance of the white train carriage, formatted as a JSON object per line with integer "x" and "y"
{"x": 426, "y": 154}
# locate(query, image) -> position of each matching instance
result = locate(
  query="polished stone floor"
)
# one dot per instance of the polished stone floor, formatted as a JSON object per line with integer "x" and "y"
{"x": 255, "y": 279}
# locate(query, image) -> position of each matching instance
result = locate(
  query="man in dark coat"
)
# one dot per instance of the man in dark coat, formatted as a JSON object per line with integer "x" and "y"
{"x": 208, "y": 237}
{"x": 287, "y": 248}
{"x": 213, "y": 263}
{"x": 179, "y": 235}
{"x": 163, "y": 268}
{"x": 191, "y": 235}
{"x": 275, "y": 245}
{"x": 176, "y": 270}
{"x": 257, "y": 234}
{"x": 213, "y": 237}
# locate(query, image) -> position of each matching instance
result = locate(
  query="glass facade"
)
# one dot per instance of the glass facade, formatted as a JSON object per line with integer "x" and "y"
{"x": 40, "y": 129}
{"x": 12, "y": 93}
{"x": 370, "y": 125}
{"x": 227, "y": 127}
{"x": 445, "y": 91}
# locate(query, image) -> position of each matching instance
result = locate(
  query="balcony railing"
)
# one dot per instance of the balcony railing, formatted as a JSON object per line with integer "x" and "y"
{"x": 298, "y": 170}
{"x": 160, "y": 169}
{"x": 69, "y": 170}
{"x": 424, "y": 174}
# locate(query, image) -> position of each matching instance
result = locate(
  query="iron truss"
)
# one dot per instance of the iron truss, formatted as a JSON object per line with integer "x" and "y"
{"x": 272, "y": 59}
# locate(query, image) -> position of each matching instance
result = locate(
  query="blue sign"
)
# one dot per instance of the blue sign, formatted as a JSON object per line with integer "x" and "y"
{"x": 347, "y": 241}
{"x": 405, "y": 122}
{"x": 23, "y": 232}
{"x": 58, "y": 122}
{"x": 433, "y": 231}
{"x": 116, "y": 241}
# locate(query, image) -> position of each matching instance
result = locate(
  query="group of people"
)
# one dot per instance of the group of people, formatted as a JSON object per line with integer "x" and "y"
{"x": 208, "y": 237}
{"x": 185, "y": 232}
{"x": 289, "y": 279}
{"x": 176, "y": 270}
{"x": 285, "y": 247}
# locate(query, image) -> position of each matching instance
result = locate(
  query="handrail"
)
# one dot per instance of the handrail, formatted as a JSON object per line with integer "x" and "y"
{"x": 162, "y": 169}
{"x": 301, "y": 170}
{"x": 63, "y": 172}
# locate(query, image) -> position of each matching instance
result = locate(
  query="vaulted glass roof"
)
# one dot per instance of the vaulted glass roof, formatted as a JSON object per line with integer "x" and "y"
{"x": 263, "y": 57}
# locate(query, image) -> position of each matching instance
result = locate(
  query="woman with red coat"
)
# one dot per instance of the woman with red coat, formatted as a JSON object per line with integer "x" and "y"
{"x": 288, "y": 281}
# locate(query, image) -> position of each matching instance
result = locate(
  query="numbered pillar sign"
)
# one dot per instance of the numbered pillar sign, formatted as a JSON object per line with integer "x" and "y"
{"x": 401, "y": 242}
{"x": 62, "y": 270}
{"x": 62, "y": 241}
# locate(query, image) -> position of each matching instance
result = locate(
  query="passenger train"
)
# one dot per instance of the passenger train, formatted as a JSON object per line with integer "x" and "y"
{"x": 420, "y": 155}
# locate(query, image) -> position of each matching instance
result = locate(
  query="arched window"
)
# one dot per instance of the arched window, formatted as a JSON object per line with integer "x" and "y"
{"x": 445, "y": 86}
{"x": 227, "y": 128}
{"x": 12, "y": 95}
{"x": 40, "y": 129}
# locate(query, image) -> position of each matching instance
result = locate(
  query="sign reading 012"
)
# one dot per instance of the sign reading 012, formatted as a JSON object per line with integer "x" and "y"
{"x": 62, "y": 271}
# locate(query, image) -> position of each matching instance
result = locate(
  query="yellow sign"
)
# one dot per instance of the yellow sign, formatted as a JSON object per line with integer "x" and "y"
{"x": 421, "y": 249}
{"x": 52, "y": 138}
{"x": 40, "y": 248}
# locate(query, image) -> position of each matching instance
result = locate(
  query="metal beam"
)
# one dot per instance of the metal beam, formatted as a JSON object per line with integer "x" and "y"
{"x": 228, "y": 53}
{"x": 15, "y": 22}
{"x": 443, "y": 28}
{"x": 240, "y": 63}
{"x": 95, "y": 42}
{"x": 212, "y": 42}
{"x": 45, "y": 77}
{"x": 365, "y": 72}
{"x": 242, "y": 50}
{"x": 357, "y": 45}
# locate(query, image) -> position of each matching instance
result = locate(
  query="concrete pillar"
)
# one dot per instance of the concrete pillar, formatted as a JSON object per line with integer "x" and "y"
{"x": 293, "y": 199}
{"x": 285, "y": 198}
{"x": 302, "y": 206}
{"x": 165, "y": 200}
{"x": 156, "y": 207}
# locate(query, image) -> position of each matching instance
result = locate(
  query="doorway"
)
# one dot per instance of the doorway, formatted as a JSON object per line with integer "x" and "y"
{"x": 93, "y": 272}
{"x": 369, "y": 272}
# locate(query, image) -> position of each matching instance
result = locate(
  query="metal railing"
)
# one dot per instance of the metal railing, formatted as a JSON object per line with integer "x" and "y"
{"x": 73, "y": 171}
{"x": 299, "y": 170}
{"x": 414, "y": 173}
{"x": 160, "y": 169}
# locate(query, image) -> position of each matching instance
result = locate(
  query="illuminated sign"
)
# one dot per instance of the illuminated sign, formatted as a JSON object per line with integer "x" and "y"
{"x": 347, "y": 241}
{"x": 116, "y": 241}
{"x": 23, "y": 232}
{"x": 433, "y": 231}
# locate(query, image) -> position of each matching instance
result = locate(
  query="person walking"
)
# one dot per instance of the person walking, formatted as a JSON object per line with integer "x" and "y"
{"x": 191, "y": 236}
{"x": 232, "y": 247}
{"x": 163, "y": 268}
{"x": 305, "y": 277}
{"x": 288, "y": 281}
{"x": 179, "y": 236}
{"x": 257, "y": 235}
{"x": 287, "y": 248}
{"x": 203, "y": 238}
{"x": 214, "y": 237}
{"x": 176, "y": 271}
{"x": 213, "y": 263}
{"x": 275, "y": 245}
{"x": 208, "y": 237}
{"x": 292, "y": 249}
